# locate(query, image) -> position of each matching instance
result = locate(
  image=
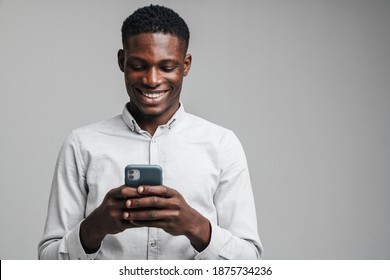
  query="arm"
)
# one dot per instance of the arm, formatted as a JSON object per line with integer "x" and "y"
{"x": 68, "y": 233}
{"x": 235, "y": 236}
{"x": 67, "y": 203}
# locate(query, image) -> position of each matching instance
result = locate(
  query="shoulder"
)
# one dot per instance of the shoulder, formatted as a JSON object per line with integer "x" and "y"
{"x": 222, "y": 141}
{"x": 112, "y": 124}
{"x": 97, "y": 132}
{"x": 198, "y": 123}
{"x": 210, "y": 130}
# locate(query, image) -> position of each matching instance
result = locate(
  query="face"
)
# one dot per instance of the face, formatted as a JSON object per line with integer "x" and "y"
{"x": 154, "y": 65}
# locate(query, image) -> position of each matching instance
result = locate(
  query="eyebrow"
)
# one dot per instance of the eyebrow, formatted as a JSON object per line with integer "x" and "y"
{"x": 136, "y": 58}
{"x": 169, "y": 60}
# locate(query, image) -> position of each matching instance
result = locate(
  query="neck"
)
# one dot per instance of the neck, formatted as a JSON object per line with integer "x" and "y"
{"x": 150, "y": 123}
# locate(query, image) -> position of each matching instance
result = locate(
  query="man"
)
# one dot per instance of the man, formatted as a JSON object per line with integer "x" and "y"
{"x": 205, "y": 210}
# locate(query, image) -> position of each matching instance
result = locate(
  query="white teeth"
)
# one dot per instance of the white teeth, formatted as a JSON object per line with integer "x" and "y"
{"x": 153, "y": 95}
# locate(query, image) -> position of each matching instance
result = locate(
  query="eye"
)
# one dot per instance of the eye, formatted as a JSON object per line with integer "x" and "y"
{"x": 168, "y": 68}
{"x": 136, "y": 67}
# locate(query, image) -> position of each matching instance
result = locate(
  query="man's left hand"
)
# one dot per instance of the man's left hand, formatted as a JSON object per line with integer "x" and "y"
{"x": 165, "y": 208}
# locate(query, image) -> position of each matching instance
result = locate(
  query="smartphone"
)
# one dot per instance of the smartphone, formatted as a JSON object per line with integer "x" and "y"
{"x": 143, "y": 174}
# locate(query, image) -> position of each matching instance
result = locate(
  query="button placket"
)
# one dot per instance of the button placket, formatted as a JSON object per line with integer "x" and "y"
{"x": 153, "y": 233}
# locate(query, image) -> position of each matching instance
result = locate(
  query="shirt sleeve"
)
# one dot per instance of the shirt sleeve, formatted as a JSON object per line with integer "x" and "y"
{"x": 235, "y": 235}
{"x": 67, "y": 204}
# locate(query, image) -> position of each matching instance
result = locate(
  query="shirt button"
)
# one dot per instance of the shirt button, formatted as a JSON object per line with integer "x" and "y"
{"x": 153, "y": 244}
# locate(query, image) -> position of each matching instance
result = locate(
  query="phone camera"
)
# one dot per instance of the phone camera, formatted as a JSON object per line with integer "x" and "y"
{"x": 131, "y": 177}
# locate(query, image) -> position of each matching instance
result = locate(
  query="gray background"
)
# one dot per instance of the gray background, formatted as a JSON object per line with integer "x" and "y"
{"x": 304, "y": 84}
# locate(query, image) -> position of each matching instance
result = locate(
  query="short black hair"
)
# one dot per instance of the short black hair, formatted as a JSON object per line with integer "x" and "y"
{"x": 155, "y": 19}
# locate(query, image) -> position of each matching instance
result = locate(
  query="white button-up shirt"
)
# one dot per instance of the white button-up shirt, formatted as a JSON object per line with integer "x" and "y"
{"x": 202, "y": 161}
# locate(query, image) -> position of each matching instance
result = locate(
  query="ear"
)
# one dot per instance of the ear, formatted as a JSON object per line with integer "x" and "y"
{"x": 121, "y": 60}
{"x": 187, "y": 64}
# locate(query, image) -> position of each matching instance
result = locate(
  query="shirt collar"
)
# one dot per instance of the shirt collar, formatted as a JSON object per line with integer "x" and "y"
{"x": 132, "y": 124}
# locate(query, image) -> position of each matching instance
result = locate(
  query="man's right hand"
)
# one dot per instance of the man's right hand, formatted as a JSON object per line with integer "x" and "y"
{"x": 107, "y": 218}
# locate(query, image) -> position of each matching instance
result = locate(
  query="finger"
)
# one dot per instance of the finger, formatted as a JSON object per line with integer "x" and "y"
{"x": 156, "y": 224}
{"x": 116, "y": 204}
{"x": 128, "y": 223}
{"x": 134, "y": 224}
{"x": 129, "y": 192}
{"x": 113, "y": 215}
{"x": 114, "y": 192}
{"x": 162, "y": 191}
{"x": 150, "y": 215}
{"x": 125, "y": 215}
{"x": 123, "y": 192}
{"x": 127, "y": 203}
{"x": 147, "y": 202}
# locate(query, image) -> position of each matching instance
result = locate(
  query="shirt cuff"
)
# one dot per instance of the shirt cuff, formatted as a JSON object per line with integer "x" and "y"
{"x": 75, "y": 249}
{"x": 217, "y": 241}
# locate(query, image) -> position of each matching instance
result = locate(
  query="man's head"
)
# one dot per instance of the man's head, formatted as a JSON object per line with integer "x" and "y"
{"x": 155, "y": 19}
{"x": 154, "y": 61}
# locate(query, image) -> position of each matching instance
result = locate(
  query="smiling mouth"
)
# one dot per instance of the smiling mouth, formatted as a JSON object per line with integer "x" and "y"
{"x": 153, "y": 94}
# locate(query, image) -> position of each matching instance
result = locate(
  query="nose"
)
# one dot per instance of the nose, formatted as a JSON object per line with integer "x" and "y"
{"x": 152, "y": 78}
